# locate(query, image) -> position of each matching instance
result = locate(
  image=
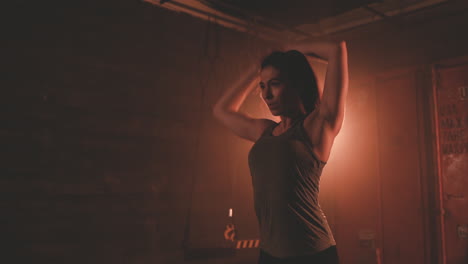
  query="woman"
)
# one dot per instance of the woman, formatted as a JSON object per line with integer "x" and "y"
{"x": 287, "y": 158}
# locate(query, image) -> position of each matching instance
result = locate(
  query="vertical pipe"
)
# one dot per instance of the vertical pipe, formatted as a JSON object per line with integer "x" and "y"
{"x": 420, "y": 118}
{"x": 435, "y": 84}
{"x": 379, "y": 251}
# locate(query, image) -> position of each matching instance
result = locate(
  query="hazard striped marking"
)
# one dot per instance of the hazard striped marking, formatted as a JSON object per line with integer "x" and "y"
{"x": 252, "y": 243}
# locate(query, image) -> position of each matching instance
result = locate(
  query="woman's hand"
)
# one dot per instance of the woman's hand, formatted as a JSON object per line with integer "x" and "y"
{"x": 320, "y": 49}
{"x": 294, "y": 46}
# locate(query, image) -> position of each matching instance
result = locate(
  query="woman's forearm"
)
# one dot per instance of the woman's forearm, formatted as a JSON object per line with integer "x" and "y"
{"x": 321, "y": 49}
{"x": 234, "y": 96}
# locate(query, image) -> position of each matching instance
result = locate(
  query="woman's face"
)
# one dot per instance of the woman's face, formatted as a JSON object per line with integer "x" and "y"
{"x": 277, "y": 93}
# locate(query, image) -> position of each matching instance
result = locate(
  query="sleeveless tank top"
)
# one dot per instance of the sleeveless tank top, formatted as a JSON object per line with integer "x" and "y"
{"x": 285, "y": 178}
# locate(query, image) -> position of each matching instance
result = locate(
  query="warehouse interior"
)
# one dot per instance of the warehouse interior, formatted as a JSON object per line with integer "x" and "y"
{"x": 111, "y": 153}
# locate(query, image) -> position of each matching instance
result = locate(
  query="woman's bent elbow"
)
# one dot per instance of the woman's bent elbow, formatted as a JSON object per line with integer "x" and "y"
{"x": 218, "y": 112}
{"x": 215, "y": 111}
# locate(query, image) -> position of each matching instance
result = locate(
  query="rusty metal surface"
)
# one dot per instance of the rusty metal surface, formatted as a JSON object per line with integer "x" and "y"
{"x": 452, "y": 125}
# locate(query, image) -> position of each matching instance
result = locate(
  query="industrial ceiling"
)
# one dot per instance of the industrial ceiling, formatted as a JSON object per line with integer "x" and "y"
{"x": 296, "y": 19}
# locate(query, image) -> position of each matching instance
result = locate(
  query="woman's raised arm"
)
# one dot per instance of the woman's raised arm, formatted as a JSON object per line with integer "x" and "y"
{"x": 335, "y": 90}
{"x": 227, "y": 108}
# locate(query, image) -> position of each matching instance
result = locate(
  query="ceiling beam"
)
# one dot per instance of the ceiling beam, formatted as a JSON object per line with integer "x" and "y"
{"x": 277, "y": 32}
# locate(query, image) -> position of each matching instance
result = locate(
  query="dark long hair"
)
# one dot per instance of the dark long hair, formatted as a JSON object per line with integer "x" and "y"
{"x": 298, "y": 72}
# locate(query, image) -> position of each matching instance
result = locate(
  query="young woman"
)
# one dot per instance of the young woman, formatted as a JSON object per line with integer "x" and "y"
{"x": 287, "y": 158}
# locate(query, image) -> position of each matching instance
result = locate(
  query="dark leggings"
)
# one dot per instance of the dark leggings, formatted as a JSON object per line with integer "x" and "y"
{"x": 327, "y": 256}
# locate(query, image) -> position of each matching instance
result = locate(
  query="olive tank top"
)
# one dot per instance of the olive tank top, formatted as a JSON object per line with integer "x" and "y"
{"x": 285, "y": 178}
